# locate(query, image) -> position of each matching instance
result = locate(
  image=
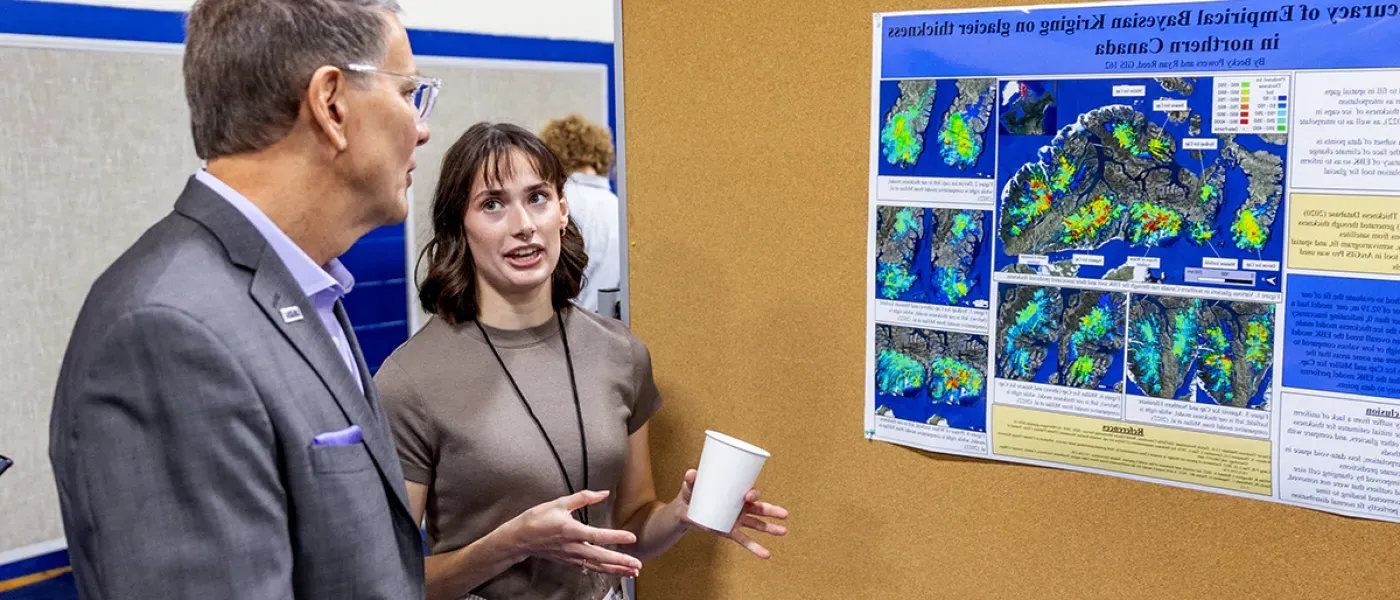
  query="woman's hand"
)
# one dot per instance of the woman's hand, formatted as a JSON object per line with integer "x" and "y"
{"x": 748, "y": 518}
{"x": 549, "y": 531}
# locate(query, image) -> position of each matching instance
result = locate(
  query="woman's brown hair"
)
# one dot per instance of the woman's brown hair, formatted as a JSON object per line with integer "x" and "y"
{"x": 449, "y": 289}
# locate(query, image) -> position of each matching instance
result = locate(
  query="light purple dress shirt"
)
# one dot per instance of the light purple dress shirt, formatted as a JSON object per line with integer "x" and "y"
{"x": 323, "y": 285}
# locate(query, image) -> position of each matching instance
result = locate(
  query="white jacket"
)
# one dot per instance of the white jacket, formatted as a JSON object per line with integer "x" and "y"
{"x": 594, "y": 207}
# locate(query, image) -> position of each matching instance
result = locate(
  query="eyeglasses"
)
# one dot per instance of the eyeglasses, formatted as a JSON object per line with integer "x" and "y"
{"x": 424, "y": 96}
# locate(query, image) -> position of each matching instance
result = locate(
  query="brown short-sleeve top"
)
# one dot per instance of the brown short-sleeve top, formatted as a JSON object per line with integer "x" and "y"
{"x": 461, "y": 429}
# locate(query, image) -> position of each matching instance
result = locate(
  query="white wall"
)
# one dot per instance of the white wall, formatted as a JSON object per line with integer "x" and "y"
{"x": 100, "y": 167}
{"x": 590, "y": 20}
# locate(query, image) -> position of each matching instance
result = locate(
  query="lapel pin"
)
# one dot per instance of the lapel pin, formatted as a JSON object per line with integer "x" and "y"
{"x": 291, "y": 314}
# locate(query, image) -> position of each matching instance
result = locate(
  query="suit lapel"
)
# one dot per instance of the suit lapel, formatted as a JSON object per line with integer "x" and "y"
{"x": 274, "y": 289}
{"x": 380, "y": 445}
{"x": 371, "y": 394}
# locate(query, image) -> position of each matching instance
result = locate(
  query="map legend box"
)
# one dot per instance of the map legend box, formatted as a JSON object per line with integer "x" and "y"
{"x": 1257, "y": 104}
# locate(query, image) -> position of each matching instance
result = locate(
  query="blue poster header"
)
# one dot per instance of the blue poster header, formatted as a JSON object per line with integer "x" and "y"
{"x": 1219, "y": 35}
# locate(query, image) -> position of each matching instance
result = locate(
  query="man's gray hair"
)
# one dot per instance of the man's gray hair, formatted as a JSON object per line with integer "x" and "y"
{"x": 248, "y": 63}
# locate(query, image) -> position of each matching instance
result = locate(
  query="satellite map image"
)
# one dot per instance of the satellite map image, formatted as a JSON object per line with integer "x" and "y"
{"x": 1061, "y": 336}
{"x": 1027, "y": 107}
{"x": 933, "y": 256}
{"x": 1117, "y": 181}
{"x": 931, "y": 377}
{"x": 937, "y": 127}
{"x": 1209, "y": 351}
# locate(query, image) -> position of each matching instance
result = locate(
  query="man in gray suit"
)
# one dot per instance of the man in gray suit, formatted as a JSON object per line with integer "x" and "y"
{"x": 215, "y": 432}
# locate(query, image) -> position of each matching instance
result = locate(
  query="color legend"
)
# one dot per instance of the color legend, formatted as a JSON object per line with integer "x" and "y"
{"x": 1256, "y": 105}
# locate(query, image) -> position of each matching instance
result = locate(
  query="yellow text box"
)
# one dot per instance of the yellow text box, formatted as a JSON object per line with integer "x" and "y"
{"x": 1357, "y": 234}
{"x": 1219, "y": 461}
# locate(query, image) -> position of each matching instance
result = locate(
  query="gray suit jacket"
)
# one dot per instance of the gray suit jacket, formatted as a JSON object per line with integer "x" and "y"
{"x": 182, "y": 426}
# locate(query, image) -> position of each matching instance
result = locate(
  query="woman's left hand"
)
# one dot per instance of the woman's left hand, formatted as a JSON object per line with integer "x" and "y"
{"x": 748, "y": 518}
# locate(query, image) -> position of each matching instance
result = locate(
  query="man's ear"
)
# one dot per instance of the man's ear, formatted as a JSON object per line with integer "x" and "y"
{"x": 327, "y": 98}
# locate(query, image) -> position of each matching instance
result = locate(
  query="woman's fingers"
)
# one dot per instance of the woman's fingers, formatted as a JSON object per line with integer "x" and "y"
{"x": 602, "y": 557}
{"x": 750, "y": 545}
{"x": 604, "y": 537}
{"x": 763, "y": 526}
{"x": 689, "y": 485}
{"x": 764, "y": 509}
{"x": 581, "y": 499}
{"x": 607, "y": 569}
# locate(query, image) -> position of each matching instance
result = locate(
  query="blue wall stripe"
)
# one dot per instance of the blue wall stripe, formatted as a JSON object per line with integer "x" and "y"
{"x": 34, "y": 564}
{"x": 505, "y": 47}
{"x": 101, "y": 22}
{"x": 62, "y": 587}
{"x": 401, "y": 323}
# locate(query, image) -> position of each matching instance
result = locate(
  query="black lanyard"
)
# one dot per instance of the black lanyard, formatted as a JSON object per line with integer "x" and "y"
{"x": 578, "y": 410}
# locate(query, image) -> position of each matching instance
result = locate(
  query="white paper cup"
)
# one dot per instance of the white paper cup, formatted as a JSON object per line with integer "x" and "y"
{"x": 728, "y": 470}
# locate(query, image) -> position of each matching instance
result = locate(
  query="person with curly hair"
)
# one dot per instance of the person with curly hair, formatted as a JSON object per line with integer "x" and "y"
{"x": 586, "y": 151}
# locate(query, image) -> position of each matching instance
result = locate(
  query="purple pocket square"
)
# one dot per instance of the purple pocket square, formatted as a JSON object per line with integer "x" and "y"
{"x": 345, "y": 437}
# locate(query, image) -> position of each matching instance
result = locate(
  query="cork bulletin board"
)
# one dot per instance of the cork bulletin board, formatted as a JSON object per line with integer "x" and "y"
{"x": 747, "y": 177}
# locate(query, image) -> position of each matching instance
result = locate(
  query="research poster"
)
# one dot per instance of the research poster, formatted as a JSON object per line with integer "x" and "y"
{"x": 1154, "y": 241}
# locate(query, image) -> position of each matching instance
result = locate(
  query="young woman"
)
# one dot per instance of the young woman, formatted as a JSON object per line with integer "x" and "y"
{"x": 521, "y": 420}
